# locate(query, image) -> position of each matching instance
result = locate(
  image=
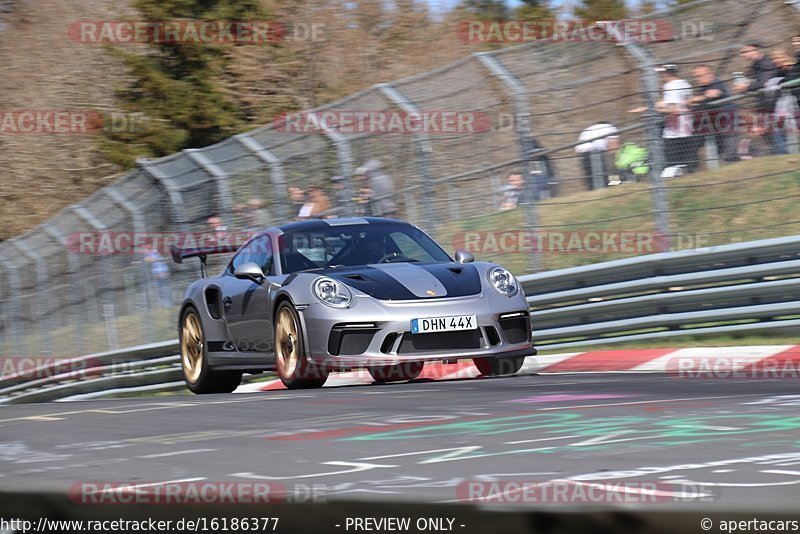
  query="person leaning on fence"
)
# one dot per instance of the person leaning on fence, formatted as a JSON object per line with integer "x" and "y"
{"x": 601, "y": 139}
{"x": 376, "y": 189}
{"x": 760, "y": 71}
{"x": 784, "y": 101}
{"x": 159, "y": 271}
{"x": 681, "y": 147}
{"x": 512, "y": 193}
{"x": 297, "y": 199}
{"x": 714, "y": 121}
{"x": 318, "y": 205}
{"x": 256, "y": 215}
{"x": 340, "y": 199}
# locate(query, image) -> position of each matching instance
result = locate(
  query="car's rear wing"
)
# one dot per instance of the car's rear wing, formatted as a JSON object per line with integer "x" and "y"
{"x": 179, "y": 254}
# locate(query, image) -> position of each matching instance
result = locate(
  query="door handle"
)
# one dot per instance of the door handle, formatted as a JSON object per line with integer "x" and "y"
{"x": 227, "y": 302}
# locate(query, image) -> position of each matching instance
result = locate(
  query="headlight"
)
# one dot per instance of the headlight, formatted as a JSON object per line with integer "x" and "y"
{"x": 503, "y": 281}
{"x": 331, "y": 292}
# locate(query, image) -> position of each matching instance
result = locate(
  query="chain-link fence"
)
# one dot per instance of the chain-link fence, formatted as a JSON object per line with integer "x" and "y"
{"x": 569, "y": 156}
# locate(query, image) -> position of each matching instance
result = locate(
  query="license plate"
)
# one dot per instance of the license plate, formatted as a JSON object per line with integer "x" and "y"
{"x": 444, "y": 324}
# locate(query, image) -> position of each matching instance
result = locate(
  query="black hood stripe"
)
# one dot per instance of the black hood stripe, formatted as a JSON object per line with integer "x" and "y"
{"x": 459, "y": 280}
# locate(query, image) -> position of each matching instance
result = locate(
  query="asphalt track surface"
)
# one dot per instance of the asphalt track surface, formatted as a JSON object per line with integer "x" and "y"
{"x": 736, "y": 441}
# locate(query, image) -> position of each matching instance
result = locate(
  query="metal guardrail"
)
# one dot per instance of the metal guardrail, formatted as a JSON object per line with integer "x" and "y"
{"x": 743, "y": 287}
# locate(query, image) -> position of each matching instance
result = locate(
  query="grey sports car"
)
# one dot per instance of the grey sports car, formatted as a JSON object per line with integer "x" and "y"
{"x": 312, "y": 297}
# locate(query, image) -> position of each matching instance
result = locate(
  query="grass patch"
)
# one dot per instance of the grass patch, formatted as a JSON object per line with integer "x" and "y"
{"x": 744, "y": 201}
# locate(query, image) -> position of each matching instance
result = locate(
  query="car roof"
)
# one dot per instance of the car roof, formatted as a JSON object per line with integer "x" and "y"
{"x": 324, "y": 224}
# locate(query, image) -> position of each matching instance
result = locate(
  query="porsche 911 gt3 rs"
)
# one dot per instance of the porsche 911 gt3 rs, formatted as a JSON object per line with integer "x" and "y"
{"x": 312, "y": 297}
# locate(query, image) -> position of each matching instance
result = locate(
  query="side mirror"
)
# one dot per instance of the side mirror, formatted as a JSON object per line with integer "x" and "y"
{"x": 250, "y": 271}
{"x": 462, "y": 256}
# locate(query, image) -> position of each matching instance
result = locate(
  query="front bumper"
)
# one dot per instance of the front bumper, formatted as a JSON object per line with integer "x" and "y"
{"x": 373, "y": 332}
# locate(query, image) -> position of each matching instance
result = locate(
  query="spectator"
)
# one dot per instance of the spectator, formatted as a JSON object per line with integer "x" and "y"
{"x": 339, "y": 195}
{"x": 795, "y": 72}
{"x": 512, "y": 193}
{"x": 317, "y": 204}
{"x": 796, "y": 46}
{"x": 376, "y": 189}
{"x": 218, "y": 230}
{"x": 297, "y": 198}
{"x": 784, "y": 102}
{"x": 711, "y": 89}
{"x": 761, "y": 70}
{"x": 240, "y": 216}
{"x": 680, "y": 145}
{"x": 159, "y": 270}
{"x": 632, "y": 162}
{"x": 601, "y": 138}
{"x": 256, "y": 215}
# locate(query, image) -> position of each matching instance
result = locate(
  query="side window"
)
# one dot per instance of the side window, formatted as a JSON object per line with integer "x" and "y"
{"x": 409, "y": 247}
{"x": 259, "y": 251}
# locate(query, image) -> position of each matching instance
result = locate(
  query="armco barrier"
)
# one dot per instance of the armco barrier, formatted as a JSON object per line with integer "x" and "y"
{"x": 744, "y": 287}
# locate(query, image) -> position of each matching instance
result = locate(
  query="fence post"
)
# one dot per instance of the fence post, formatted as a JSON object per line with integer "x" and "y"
{"x": 345, "y": 157}
{"x": 219, "y": 176}
{"x": 533, "y": 186}
{"x": 174, "y": 193}
{"x": 11, "y": 327}
{"x": 139, "y": 227}
{"x": 42, "y": 283}
{"x": 424, "y": 148}
{"x": 75, "y": 281}
{"x": 654, "y": 140}
{"x": 276, "y": 172}
{"x": 98, "y": 226}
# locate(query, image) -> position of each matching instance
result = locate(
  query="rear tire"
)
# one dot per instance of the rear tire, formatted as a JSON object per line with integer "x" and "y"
{"x": 396, "y": 373}
{"x": 200, "y": 378}
{"x": 290, "y": 360}
{"x": 499, "y": 366}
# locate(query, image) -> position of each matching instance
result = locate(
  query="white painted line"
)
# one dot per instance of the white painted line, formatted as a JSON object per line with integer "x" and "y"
{"x": 541, "y": 439}
{"x": 781, "y": 472}
{"x": 600, "y": 439}
{"x": 165, "y": 454}
{"x": 647, "y": 402}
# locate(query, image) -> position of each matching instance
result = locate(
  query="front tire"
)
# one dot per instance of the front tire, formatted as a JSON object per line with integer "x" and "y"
{"x": 499, "y": 366}
{"x": 197, "y": 374}
{"x": 290, "y": 360}
{"x": 396, "y": 373}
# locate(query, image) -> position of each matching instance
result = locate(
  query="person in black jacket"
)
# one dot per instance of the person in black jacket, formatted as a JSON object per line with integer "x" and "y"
{"x": 714, "y": 120}
{"x": 761, "y": 70}
{"x": 794, "y": 73}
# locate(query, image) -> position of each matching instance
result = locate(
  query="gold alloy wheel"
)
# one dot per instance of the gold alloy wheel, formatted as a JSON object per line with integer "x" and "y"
{"x": 192, "y": 347}
{"x": 286, "y": 343}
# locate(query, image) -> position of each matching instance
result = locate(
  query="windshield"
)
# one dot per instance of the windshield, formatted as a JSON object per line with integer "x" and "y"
{"x": 357, "y": 245}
